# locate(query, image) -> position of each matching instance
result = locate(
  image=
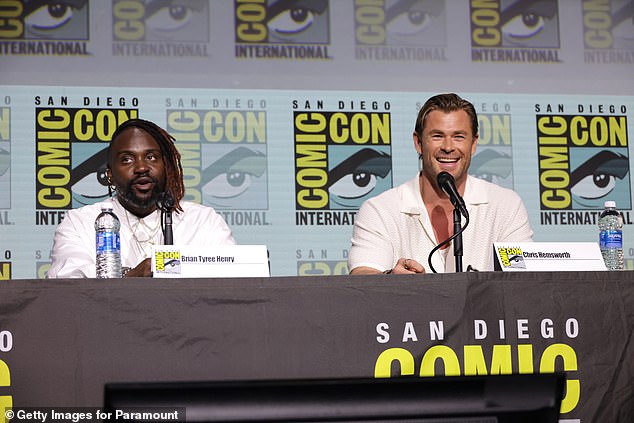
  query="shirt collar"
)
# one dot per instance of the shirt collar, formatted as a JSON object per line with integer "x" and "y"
{"x": 476, "y": 191}
{"x": 122, "y": 212}
{"x": 412, "y": 203}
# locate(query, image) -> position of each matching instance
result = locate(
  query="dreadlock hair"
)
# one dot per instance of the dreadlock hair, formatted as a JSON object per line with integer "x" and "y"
{"x": 446, "y": 103}
{"x": 171, "y": 156}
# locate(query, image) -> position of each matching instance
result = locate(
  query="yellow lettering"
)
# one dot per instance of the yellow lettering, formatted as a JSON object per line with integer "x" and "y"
{"x": 569, "y": 357}
{"x": 383, "y": 366}
{"x": 6, "y": 402}
{"x": 440, "y": 352}
{"x": 53, "y": 198}
{"x": 184, "y": 125}
{"x": 5, "y": 125}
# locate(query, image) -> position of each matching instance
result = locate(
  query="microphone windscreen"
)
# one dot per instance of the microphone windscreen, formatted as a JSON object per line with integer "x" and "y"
{"x": 447, "y": 183}
{"x": 165, "y": 201}
{"x": 443, "y": 178}
{"x": 168, "y": 200}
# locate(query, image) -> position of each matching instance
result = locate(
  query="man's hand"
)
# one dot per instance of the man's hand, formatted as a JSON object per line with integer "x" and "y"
{"x": 407, "y": 267}
{"x": 403, "y": 267}
{"x": 143, "y": 270}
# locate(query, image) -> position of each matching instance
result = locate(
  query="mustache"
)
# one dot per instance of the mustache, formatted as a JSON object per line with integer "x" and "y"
{"x": 129, "y": 195}
{"x": 150, "y": 201}
{"x": 142, "y": 179}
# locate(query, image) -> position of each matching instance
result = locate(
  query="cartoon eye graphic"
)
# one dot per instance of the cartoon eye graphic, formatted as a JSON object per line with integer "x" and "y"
{"x": 354, "y": 185}
{"x": 491, "y": 165}
{"x": 356, "y": 176}
{"x": 597, "y": 176}
{"x": 168, "y": 16}
{"x": 89, "y": 178}
{"x": 5, "y": 161}
{"x": 515, "y": 259}
{"x": 623, "y": 22}
{"x": 232, "y": 174}
{"x": 292, "y": 21}
{"x": 172, "y": 263}
{"x": 524, "y": 26}
{"x": 409, "y": 17}
{"x": 409, "y": 24}
{"x": 293, "y": 17}
{"x": 526, "y": 19}
{"x": 49, "y": 16}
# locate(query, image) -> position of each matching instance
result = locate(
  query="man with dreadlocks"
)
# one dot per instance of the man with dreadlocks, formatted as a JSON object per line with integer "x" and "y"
{"x": 143, "y": 164}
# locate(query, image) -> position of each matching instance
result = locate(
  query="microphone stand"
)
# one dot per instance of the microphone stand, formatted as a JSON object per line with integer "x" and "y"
{"x": 168, "y": 235}
{"x": 457, "y": 242}
{"x": 447, "y": 184}
{"x": 456, "y": 237}
{"x": 166, "y": 204}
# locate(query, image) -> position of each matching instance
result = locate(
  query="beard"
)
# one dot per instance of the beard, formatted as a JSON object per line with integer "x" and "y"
{"x": 130, "y": 197}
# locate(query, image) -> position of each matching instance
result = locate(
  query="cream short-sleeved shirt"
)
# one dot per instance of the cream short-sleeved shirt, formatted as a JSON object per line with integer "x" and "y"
{"x": 395, "y": 224}
{"x": 74, "y": 251}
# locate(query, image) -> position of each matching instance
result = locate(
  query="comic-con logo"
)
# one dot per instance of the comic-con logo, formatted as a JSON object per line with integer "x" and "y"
{"x": 282, "y": 29}
{"x": 224, "y": 159}
{"x": 514, "y": 31}
{"x": 168, "y": 262}
{"x": 41, "y": 269}
{"x": 38, "y": 27}
{"x": 321, "y": 262}
{"x": 493, "y": 160}
{"x": 583, "y": 158}
{"x": 6, "y": 268}
{"x": 342, "y": 158}
{"x": 400, "y": 30}
{"x": 160, "y": 27}
{"x": 71, "y": 156}
{"x": 608, "y": 33}
{"x": 5, "y": 157}
{"x": 322, "y": 268}
{"x": 511, "y": 257}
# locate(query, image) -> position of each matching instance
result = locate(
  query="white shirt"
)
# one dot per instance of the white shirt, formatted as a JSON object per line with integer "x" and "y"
{"x": 74, "y": 251}
{"x": 395, "y": 224}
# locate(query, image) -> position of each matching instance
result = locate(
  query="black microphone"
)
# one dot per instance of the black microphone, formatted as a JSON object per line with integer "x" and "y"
{"x": 447, "y": 183}
{"x": 166, "y": 204}
{"x": 167, "y": 201}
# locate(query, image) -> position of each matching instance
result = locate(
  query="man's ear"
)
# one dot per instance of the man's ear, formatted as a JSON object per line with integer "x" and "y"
{"x": 418, "y": 143}
{"x": 474, "y": 144}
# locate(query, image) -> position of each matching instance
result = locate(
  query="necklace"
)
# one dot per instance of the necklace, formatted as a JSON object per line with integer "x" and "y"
{"x": 150, "y": 232}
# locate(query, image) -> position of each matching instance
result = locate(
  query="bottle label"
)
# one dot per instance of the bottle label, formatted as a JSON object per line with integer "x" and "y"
{"x": 602, "y": 239}
{"x": 613, "y": 239}
{"x": 108, "y": 242}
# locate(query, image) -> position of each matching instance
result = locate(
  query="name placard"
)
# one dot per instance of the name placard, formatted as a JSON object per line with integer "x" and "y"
{"x": 547, "y": 256}
{"x": 221, "y": 261}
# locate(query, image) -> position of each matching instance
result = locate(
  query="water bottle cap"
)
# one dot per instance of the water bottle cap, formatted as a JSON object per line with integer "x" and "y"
{"x": 611, "y": 204}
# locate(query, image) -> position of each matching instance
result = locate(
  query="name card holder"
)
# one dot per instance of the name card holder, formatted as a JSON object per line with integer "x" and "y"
{"x": 547, "y": 256}
{"x": 218, "y": 261}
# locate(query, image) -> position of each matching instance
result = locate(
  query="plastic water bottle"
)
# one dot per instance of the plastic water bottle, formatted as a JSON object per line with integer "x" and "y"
{"x": 611, "y": 236}
{"x": 108, "y": 246}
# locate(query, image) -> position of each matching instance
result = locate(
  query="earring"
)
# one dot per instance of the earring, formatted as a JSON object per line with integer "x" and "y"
{"x": 111, "y": 187}
{"x": 420, "y": 164}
